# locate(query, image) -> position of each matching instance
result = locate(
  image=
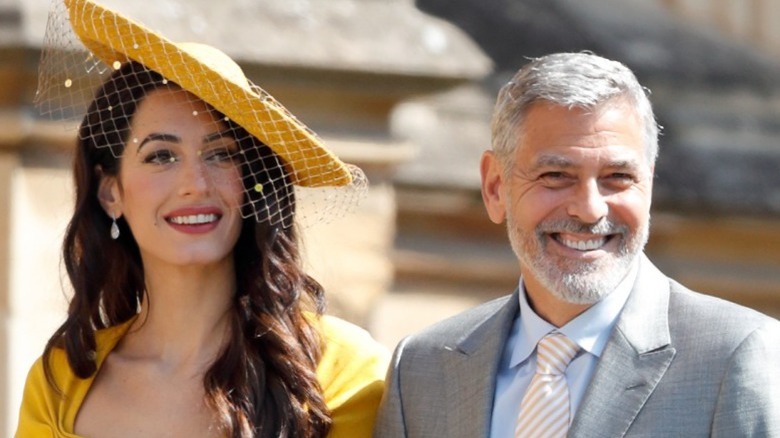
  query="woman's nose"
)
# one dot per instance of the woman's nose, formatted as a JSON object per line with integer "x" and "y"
{"x": 194, "y": 178}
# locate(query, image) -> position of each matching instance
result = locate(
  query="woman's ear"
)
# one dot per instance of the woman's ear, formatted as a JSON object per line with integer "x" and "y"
{"x": 492, "y": 173}
{"x": 108, "y": 193}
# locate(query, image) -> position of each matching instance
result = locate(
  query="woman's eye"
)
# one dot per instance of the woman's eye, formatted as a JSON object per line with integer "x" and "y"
{"x": 219, "y": 155}
{"x": 162, "y": 156}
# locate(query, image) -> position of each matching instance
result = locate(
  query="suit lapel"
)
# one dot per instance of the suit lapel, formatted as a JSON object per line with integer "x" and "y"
{"x": 470, "y": 365}
{"x": 633, "y": 361}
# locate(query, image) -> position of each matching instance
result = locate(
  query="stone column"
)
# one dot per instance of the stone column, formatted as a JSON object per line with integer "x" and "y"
{"x": 36, "y": 193}
{"x": 8, "y": 165}
{"x": 349, "y": 256}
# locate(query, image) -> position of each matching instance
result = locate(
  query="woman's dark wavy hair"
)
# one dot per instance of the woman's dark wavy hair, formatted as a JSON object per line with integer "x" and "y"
{"x": 264, "y": 383}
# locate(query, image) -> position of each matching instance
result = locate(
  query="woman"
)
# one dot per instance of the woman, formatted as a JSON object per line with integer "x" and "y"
{"x": 191, "y": 315}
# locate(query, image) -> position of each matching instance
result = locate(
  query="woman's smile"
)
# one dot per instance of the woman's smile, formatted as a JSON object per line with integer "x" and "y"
{"x": 194, "y": 220}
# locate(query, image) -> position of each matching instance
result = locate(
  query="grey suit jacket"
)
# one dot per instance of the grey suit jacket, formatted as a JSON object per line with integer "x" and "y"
{"x": 677, "y": 364}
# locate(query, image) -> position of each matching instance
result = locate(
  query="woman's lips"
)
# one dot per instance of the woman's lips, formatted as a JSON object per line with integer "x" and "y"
{"x": 194, "y": 220}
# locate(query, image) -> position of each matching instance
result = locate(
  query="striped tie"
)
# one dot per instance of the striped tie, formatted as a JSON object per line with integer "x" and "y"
{"x": 544, "y": 411}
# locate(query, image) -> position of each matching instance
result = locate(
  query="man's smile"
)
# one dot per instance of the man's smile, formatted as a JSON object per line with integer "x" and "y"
{"x": 582, "y": 244}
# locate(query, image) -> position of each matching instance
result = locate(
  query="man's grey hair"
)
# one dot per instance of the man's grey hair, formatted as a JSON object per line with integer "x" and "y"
{"x": 573, "y": 80}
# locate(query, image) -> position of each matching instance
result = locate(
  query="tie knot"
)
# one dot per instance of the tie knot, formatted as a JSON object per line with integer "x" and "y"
{"x": 554, "y": 353}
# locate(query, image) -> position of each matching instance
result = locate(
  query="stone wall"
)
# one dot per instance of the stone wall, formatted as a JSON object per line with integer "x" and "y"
{"x": 754, "y": 21}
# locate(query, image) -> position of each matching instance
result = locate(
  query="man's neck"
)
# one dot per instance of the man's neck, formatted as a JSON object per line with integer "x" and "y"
{"x": 549, "y": 307}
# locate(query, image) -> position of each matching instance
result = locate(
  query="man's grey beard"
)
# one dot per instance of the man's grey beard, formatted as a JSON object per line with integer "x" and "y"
{"x": 569, "y": 280}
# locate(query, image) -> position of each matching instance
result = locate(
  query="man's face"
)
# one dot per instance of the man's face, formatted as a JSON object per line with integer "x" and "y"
{"x": 577, "y": 200}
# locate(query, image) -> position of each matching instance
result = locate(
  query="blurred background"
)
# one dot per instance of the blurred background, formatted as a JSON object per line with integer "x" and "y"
{"x": 405, "y": 90}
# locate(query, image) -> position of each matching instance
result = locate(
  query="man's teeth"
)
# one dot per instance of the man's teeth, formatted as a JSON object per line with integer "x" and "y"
{"x": 194, "y": 219}
{"x": 584, "y": 245}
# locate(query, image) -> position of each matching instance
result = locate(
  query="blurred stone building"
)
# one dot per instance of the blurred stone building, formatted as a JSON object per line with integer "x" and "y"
{"x": 405, "y": 91}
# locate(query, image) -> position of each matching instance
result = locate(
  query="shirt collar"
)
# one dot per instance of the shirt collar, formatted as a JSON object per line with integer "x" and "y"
{"x": 590, "y": 330}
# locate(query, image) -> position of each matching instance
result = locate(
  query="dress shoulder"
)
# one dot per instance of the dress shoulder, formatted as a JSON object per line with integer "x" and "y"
{"x": 50, "y": 410}
{"x": 352, "y": 374}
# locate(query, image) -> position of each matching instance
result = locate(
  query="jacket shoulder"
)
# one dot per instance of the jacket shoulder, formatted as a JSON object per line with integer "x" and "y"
{"x": 458, "y": 326}
{"x": 715, "y": 317}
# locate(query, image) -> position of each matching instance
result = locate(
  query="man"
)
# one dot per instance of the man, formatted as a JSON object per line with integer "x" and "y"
{"x": 636, "y": 354}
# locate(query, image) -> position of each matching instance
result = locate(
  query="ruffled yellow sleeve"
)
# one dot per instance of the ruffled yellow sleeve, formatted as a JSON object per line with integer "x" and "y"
{"x": 352, "y": 373}
{"x": 50, "y": 411}
{"x": 35, "y": 416}
{"x": 44, "y": 409}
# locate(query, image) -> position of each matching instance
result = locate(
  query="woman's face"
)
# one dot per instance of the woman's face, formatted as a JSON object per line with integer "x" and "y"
{"x": 179, "y": 184}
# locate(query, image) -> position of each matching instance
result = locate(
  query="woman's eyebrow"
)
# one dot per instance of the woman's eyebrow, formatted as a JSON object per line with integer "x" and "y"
{"x": 155, "y": 136}
{"x": 227, "y": 133}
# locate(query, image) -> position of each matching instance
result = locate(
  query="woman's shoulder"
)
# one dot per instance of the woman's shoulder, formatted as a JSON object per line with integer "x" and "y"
{"x": 44, "y": 398}
{"x": 352, "y": 374}
{"x": 64, "y": 383}
{"x": 346, "y": 344}
{"x": 345, "y": 333}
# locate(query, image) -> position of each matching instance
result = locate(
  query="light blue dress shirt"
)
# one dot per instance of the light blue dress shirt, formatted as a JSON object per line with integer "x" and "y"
{"x": 590, "y": 330}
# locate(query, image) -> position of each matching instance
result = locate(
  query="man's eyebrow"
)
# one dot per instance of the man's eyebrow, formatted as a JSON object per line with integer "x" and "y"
{"x": 555, "y": 161}
{"x": 559, "y": 162}
{"x": 155, "y": 136}
{"x": 624, "y": 164}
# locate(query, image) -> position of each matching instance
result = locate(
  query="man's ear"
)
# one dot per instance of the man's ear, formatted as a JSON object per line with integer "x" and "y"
{"x": 492, "y": 183}
{"x": 108, "y": 193}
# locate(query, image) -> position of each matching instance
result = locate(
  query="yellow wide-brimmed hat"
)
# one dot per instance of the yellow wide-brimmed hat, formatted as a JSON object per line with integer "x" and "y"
{"x": 212, "y": 76}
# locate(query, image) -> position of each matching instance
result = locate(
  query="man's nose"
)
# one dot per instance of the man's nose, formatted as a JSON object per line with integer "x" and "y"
{"x": 588, "y": 204}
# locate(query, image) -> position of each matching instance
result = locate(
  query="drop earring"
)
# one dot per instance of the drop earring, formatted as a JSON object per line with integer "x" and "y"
{"x": 114, "y": 227}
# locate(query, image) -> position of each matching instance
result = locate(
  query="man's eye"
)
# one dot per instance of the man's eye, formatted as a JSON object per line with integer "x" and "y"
{"x": 162, "y": 156}
{"x": 556, "y": 179}
{"x": 622, "y": 177}
{"x": 619, "y": 180}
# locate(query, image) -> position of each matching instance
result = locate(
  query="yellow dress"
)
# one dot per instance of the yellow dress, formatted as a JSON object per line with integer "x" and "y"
{"x": 351, "y": 373}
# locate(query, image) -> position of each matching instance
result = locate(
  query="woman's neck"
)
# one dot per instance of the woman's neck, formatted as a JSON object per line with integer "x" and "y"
{"x": 185, "y": 314}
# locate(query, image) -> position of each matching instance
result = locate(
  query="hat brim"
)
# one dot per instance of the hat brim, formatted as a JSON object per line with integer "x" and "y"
{"x": 116, "y": 39}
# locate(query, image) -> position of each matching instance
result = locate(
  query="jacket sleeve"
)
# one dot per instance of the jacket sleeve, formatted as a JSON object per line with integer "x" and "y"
{"x": 749, "y": 398}
{"x": 390, "y": 420}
